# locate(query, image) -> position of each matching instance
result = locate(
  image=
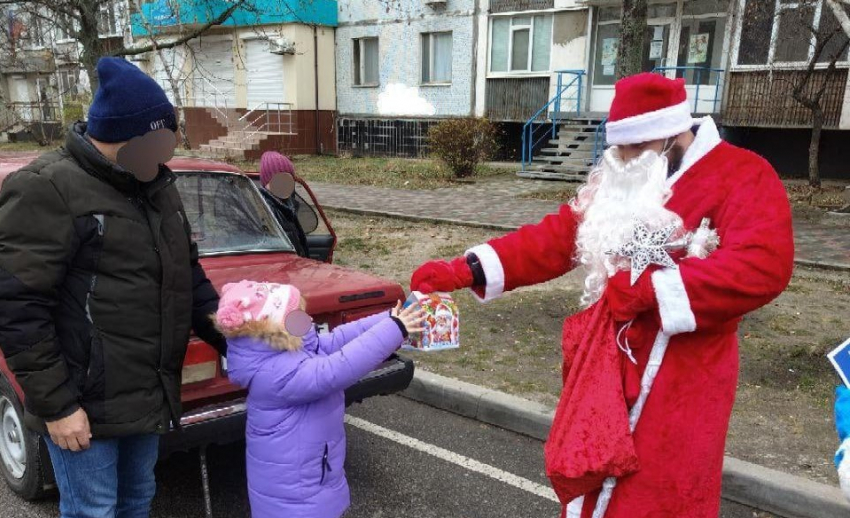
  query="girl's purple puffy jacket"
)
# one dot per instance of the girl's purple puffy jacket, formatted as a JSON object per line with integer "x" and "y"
{"x": 296, "y": 403}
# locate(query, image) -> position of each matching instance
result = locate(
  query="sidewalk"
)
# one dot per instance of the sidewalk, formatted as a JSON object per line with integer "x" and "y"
{"x": 496, "y": 205}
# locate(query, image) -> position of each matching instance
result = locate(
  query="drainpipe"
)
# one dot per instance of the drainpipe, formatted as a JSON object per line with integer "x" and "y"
{"x": 474, "y": 81}
{"x": 316, "y": 81}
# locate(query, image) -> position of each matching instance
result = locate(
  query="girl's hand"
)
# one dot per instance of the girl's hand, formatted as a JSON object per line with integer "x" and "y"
{"x": 396, "y": 310}
{"x": 412, "y": 317}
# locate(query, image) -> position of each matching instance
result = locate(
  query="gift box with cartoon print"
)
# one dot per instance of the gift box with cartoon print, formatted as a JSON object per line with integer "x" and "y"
{"x": 442, "y": 326}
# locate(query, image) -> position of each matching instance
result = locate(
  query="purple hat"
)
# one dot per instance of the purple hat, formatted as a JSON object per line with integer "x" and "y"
{"x": 272, "y": 163}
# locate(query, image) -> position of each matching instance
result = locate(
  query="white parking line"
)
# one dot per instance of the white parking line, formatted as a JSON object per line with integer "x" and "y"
{"x": 450, "y": 456}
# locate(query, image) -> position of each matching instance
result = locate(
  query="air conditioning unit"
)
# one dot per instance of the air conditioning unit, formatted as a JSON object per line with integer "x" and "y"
{"x": 281, "y": 46}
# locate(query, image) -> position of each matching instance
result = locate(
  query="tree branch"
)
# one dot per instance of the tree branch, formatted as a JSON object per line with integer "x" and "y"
{"x": 194, "y": 33}
{"x": 840, "y": 15}
{"x": 56, "y": 7}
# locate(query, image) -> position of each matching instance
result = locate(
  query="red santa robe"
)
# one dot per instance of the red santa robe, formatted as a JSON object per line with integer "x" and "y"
{"x": 681, "y": 434}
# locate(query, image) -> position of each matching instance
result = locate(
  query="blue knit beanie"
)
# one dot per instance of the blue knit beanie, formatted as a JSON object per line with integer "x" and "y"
{"x": 127, "y": 104}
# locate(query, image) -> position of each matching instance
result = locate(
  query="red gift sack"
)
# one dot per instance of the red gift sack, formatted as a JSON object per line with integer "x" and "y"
{"x": 590, "y": 439}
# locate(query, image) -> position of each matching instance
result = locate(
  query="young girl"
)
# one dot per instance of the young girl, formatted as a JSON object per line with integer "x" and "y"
{"x": 296, "y": 401}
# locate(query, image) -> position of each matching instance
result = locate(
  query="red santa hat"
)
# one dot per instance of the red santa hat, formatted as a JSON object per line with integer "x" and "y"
{"x": 648, "y": 107}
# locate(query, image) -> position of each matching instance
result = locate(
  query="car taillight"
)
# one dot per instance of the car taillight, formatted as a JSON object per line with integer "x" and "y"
{"x": 201, "y": 362}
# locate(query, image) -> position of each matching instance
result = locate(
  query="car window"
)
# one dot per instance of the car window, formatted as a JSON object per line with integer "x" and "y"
{"x": 307, "y": 214}
{"x": 227, "y": 214}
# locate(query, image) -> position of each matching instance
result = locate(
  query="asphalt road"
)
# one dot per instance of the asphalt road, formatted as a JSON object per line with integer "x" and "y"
{"x": 405, "y": 460}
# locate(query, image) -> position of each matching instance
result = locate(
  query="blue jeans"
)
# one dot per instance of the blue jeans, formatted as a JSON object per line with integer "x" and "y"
{"x": 114, "y": 478}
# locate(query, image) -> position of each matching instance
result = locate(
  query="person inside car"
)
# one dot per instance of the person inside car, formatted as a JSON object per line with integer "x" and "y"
{"x": 278, "y": 187}
{"x": 100, "y": 286}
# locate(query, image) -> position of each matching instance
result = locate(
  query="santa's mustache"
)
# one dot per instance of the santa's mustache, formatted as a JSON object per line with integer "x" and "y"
{"x": 616, "y": 195}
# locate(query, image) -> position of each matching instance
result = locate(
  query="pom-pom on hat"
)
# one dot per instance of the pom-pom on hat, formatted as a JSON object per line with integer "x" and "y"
{"x": 648, "y": 107}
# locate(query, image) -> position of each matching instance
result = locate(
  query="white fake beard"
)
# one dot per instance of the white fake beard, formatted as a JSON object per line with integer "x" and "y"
{"x": 615, "y": 196}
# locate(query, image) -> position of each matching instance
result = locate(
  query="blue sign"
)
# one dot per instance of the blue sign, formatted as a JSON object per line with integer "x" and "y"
{"x": 163, "y": 14}
{"x": 840, "y": 358}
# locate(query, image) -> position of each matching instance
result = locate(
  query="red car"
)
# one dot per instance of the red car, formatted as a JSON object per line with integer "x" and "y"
{"x": 238, "y": 238}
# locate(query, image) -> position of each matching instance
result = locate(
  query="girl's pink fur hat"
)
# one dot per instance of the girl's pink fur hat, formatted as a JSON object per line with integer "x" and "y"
{"x": 248, "y": 301}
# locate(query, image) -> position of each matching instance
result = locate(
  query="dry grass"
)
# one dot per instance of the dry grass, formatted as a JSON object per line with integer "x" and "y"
{"x": 18, "y": 147}
{"x": 397, "y": 173}
{"x": 829, "y": 197}
{"x": 782, "y": 418}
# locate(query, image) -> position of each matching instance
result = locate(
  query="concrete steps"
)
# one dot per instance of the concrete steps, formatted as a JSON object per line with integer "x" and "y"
{"x": 568, "y": 157}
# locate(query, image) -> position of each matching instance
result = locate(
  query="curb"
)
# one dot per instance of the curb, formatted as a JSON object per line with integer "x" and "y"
{"x": 773, "y": 491}
{"x": 408, "y": 217}
{"x": 822, "y": 265}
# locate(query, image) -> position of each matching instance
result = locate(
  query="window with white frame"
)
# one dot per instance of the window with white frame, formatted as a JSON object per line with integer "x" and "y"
{"x": 110, "y": 19}
{"x": 366, "y": 71}
{"x": 66, "y": 28}
{"x": 35, "y": 32}
{"x": 786, "y": 32}
{"x": 68, "y": 79}
{"x": 437, "y": 58}
{"x": 520, "y": 43}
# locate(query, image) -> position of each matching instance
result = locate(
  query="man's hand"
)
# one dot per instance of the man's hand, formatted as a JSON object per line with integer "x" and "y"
{"x": 627, "y": 301}
{"x": 442, "y": 276}
{"x": 72, "y": 432}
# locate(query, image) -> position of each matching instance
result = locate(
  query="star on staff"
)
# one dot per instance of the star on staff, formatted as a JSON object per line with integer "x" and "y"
{"x": 647, "y": 247}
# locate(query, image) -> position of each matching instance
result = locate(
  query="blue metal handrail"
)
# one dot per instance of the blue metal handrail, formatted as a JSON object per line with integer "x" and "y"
{"x": 699, "y": 71}
{"x": 529, "y": 130}
{"x": 599, "y": 137}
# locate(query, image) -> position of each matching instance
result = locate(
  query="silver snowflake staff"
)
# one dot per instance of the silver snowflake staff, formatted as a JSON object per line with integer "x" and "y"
{"x": 647, "y": 247}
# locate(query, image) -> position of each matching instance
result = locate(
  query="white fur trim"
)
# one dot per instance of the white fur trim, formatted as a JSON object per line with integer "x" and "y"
{"x": 493, "y": 272}
{"x": 707, "y": 139}
{"x": 844, "y": 469}
{"x": 660, "y": 124}
{"x": 673, "y": 303}
{"x": 574, "y": 508}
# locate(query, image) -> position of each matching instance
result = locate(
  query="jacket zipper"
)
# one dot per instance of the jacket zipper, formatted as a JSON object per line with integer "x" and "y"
{"x": 326, "y": 465}
{"x": 93, "y": 281}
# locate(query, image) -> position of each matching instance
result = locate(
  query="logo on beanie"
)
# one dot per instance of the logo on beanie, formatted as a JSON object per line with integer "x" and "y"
{"x": 160, "y": 124}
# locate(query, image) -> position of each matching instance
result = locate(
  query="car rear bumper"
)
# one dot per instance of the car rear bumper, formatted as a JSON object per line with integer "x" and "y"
{"x": 394, "y": 375}
{"x": 221, "y": 423}
{"x": 224, "y": 423}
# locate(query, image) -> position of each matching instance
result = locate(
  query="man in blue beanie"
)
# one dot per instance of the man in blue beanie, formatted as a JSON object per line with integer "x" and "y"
{"x": 100, "y": 286}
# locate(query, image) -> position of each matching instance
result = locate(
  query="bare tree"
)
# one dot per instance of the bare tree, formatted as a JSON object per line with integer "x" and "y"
{"x": 172, "y": 72}
{"x": 632, "y": 38}
{"x": 85, "y": 26}
{"x": 824, "y": 42}
{"x": 810, "y": 95}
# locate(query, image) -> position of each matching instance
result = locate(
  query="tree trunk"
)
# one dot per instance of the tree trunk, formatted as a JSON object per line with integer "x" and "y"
{"x": 814, "y": 147}
{"x": 632, "y": 36}
{"x": 90, "y": 40}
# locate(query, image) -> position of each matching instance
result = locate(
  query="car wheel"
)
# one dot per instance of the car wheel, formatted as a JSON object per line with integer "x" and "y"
{"x": 20, "y": 458}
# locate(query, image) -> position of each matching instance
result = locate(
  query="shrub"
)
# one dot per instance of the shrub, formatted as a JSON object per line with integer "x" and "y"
{"x": 463, "y": 143}
{"x": 73, "y": 111}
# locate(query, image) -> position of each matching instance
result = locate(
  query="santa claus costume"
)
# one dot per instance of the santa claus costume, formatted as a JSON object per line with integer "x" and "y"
{"x": 671, "y": 465}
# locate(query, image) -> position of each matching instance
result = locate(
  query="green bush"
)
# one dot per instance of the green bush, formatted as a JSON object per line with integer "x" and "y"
{"x": 463, "y": 143}
{"x": 73, "y": 112}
